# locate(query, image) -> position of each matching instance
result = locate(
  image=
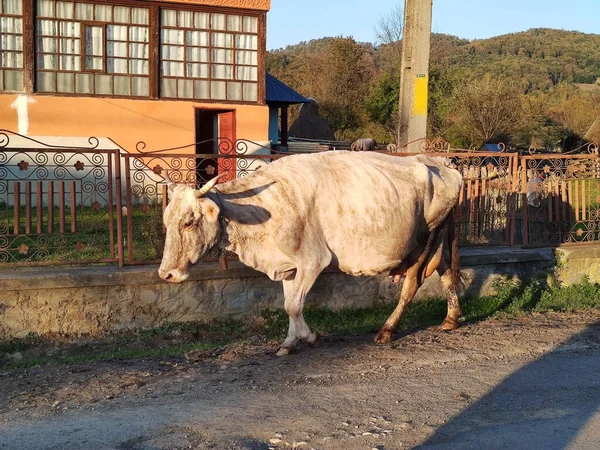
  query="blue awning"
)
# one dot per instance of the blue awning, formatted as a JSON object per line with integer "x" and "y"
{"x": 279, "y": 92}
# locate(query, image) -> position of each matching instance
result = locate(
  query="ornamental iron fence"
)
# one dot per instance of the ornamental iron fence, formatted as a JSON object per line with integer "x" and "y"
{"x": 90, "y": 204}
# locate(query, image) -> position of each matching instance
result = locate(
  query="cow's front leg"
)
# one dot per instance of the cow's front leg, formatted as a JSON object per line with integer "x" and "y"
{"x": 295, "y": 291}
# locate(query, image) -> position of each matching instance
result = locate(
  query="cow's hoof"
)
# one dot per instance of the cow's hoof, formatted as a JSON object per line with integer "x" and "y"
{"x": 384, "y": 337}
{"x": 313, "y": 339}
{"x": 284, "y": 351}
{"x": 449, "y": 324}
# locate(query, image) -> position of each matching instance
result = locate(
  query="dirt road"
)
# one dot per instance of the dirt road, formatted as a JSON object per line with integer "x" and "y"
{"x": 531, "y": 382}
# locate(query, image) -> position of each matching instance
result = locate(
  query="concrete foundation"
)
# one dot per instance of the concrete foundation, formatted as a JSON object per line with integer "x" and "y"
{"x": 93, "y": 300}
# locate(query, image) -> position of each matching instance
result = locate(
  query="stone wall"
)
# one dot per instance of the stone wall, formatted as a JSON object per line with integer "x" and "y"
{"x": 89, "y": 301}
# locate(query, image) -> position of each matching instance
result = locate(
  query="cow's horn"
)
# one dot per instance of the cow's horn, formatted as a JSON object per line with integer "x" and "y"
{"x": 208, "y": 186}
{"x": 170, "y": 183}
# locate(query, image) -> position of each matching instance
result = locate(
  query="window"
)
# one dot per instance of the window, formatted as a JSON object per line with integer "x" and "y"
{"x": 209, "y": 56}
{"x": 88, "y": 48}
{"x": 11, "y": 45}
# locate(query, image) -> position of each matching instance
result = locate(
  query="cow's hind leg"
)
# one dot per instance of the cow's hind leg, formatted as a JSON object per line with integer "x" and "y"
{"x": 449, "y": 270}
{"x": 295, "y": 291}
{"x": 450, "y": 290}
{"x": 411, "y": 284}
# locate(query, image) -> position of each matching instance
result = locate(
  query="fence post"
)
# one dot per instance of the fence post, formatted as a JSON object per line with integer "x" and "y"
{"x": 524, "y": 204}
{"x": 129, "y": 210}
{"x": 17, "y": 208}
{"x": 119, "y": 187}
{"x": 40, "y": 208}
{"x": 50, "y": 207}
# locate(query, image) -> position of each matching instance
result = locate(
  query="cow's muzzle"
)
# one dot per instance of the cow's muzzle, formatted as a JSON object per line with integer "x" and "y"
{"x": 172, "y": 276}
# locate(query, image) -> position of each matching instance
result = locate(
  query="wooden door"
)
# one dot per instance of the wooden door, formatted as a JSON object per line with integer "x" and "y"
{"x": 227, "y": 144}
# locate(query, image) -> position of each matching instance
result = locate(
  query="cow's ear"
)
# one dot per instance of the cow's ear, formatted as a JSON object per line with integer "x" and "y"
{"x": 209, "y": 209}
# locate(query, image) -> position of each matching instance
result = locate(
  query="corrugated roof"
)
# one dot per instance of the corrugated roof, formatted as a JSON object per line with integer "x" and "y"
{"x": 279, "y": 92}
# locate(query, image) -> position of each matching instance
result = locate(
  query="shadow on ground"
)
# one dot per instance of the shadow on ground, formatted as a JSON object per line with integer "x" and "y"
{"x": 547, "y": 404}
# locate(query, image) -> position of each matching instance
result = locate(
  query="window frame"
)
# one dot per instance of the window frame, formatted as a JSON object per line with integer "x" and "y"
{"x": 21, "y": 52}
{"x": 153, "y": 76}
{"x": 83, "y": 42}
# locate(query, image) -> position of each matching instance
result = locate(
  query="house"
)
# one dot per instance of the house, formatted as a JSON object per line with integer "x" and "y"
{"x": 169, "y": 73}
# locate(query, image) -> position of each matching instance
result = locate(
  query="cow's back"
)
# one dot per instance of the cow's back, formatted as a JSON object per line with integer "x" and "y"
{"x": 368, "y": 209}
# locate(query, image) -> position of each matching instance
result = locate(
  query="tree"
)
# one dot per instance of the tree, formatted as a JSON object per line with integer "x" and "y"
{"x": 388, "y": 30}
{"x": 488, "y": 110}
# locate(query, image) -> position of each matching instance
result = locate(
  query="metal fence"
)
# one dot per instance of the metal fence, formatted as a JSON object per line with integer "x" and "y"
{"x": 75, "y": 205}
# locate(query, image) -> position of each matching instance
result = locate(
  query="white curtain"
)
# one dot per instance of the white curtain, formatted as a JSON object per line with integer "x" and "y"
{"x": 185, "y": 19}
{"x": 218, "y": 21}
{"x": 246, "y": 73}
{"x": 93, "y": 47}
{"x": 220, "y": 55}
{"x": 168, "y": 87}
{"x": 201, "y": 20}
{"x": 138, "y": 67}
{"x": 199, "y": 38}
{"x": 250, "y": 92}
{"x": 45, "y": 8}
{"x": 201, "y": 89}
{"x": 121, "y": 14}
{"x": 234, "y": 91}
{"x": 169, "y": 17}
{"x": 234, "y": 23}
{"x": 64, "y": 10}
{"x": 138, "y": 16}
{"x": 11, "y": 25}
{"x": 172, "y": 69}
{"x": 246, "y": 42}
{"x": 139, "y": 86}
{"x": 197, "y": 70}
{"x": 84, "y": 83}
{"x": 185, "y": 89}
{"x": 122, "y": 86}
{"x": 138, "y": 34}
{"x": 171, "y": 36}
{"x": 65, "y": 82}
{"x": 250, "y": 24}
{"x": 13, "y": 7}
{"x": 246, "y": 58}
{"x": 83, "y": 11}
{"x": 222, "y": 71}
{"x": 217, "y": 90}
{"x": 197, "y": 54}
{"x": 222, "y": 40}
{"x": 102, "y": 13}
{"x": 116, "y": 32}
{"x": 47, "y": 45}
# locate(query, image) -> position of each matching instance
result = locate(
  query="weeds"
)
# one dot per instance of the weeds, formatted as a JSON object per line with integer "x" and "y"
{"x": 513, "y": 298}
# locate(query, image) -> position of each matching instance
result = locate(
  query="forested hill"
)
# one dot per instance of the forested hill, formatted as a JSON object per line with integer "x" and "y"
{"x": 539, "y": 58}
{"x": 547, "y": 80}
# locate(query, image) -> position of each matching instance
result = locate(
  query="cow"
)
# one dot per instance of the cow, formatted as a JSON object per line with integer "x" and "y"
{"x": 363, "y": 145}
{"x": 361, "y": 213}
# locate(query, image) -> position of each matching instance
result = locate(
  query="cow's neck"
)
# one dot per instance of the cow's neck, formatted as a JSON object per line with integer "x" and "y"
{"x": 226, "y": 237}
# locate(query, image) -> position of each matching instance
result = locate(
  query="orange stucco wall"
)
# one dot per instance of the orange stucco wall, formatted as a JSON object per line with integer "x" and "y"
{"x": 161, "y": 124}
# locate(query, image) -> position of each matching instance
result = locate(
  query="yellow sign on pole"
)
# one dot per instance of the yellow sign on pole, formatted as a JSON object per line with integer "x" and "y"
{"x": 420, "y": 101}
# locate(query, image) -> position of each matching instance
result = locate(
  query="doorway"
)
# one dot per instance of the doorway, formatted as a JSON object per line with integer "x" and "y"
{"x": 215, "y": 135}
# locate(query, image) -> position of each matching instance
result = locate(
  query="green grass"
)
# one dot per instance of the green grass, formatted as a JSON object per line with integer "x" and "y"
{"x": 172, "y": 340}
{"x": 90, "y": 242}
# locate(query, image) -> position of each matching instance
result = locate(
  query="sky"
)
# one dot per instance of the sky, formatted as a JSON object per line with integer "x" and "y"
{"x": 293, "y": 21}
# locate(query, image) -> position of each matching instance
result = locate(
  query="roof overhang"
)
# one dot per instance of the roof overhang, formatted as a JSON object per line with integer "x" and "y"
{"x": 280, "y": 94}
{"x": 259, "y": 5}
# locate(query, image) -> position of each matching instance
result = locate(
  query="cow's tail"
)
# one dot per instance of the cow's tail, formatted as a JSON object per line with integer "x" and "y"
{"x": 453, "y": 230}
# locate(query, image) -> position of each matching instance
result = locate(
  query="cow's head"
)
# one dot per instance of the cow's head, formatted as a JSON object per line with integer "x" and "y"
{"x": 192, "y": 223}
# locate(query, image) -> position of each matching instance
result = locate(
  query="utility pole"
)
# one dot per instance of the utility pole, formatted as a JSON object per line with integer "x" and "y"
{"x": 414, "y": 74}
